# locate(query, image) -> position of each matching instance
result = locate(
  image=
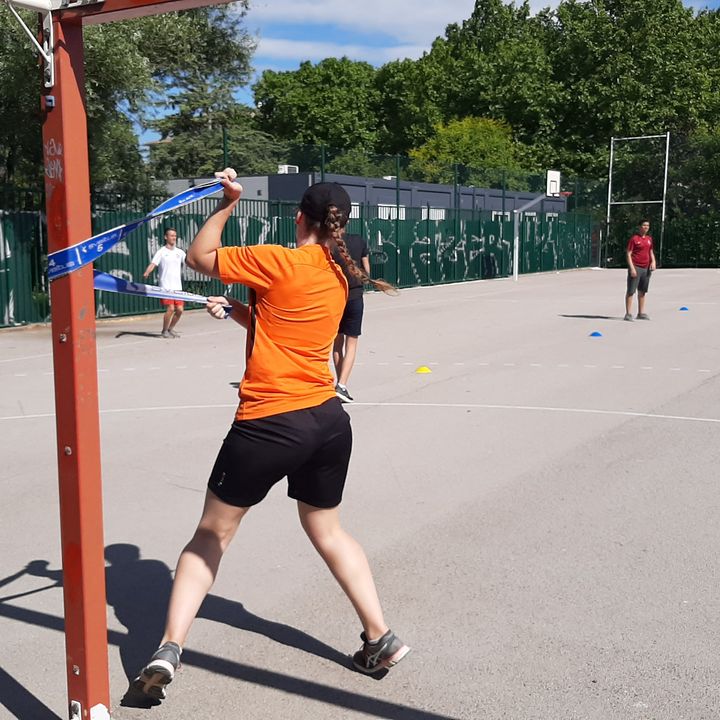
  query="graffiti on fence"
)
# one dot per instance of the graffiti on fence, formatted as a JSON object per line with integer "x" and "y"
{"x": 404, "y": 252}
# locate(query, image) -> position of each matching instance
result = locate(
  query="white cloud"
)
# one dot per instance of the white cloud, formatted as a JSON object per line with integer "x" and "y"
{"x": 316, "y": 51}
{"x": 414, "y": 22}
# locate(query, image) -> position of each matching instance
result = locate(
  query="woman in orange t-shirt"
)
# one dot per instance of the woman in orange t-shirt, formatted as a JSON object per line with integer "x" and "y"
{"x": 289, "y": 422}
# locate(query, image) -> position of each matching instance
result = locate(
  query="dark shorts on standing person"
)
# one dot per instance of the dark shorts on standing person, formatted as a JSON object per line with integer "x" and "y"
{"x": 310, "y": 446}
{"x": 351, "y": 321}
{"x": 641, "y": 283}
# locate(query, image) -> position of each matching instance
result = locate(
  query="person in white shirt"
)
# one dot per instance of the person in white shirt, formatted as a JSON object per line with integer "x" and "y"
{"x": 169, "y": 260}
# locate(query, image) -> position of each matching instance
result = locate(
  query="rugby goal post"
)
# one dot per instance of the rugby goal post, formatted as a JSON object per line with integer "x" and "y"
{"x": 657, "y": 201}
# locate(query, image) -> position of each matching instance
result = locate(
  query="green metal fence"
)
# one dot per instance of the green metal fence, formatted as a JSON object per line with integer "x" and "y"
{"x": 407, "y": 249}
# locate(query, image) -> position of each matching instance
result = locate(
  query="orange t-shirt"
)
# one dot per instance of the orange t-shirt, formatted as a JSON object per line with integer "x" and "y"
{"x": 297, "y": 300}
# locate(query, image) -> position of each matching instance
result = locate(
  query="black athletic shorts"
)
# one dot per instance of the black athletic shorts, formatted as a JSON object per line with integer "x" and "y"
{"x": 311, "y": 447}
{"x": 351, "y": 321}
{"x": 641, "y": 282}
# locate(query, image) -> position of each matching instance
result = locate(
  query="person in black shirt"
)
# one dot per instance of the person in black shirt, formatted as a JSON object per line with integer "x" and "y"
{"x": 345, "y": 346}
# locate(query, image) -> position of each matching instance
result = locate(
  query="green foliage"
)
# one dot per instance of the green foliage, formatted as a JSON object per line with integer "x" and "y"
{"x": 504, "y": 89}
{"x": 20, "y": 139}
{"x": 479, "y": 144}
{"x": 130, "y": 67}
{"x": 330, "y": 103}
{"x": 197, "y": 144}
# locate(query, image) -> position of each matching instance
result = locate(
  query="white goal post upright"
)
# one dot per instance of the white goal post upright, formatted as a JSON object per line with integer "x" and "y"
{"x": 663, "y": 201}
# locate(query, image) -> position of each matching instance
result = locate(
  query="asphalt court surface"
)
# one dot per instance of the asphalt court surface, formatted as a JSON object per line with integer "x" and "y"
{"x": 540, "y": 511}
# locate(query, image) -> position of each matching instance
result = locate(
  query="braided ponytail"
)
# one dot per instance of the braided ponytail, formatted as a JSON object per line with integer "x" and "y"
{"x": 334, "y": 226}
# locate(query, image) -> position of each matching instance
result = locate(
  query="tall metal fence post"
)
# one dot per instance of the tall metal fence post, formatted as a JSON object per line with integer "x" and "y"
{"x": 397, "y": 219}
{"x": 322, "y": 163}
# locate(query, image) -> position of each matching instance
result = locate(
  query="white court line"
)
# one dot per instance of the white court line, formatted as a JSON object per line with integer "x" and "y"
{"x": 160, "y": 408}
{"x": 460, "y": 406}
{"x": 107, "y": 346}
{"x": 541, "y": 408}
{"x": 26, "y": 357}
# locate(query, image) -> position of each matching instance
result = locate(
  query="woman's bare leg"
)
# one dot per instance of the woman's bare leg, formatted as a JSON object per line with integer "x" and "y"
{"x": 198, "y": 565}
{"x": 347, "y": 562}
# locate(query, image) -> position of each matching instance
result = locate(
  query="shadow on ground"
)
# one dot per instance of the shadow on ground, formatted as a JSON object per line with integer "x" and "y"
{"x": 138, "y": 590}
{"x": 139, "y": 334}
{"x": 593, "y": 317}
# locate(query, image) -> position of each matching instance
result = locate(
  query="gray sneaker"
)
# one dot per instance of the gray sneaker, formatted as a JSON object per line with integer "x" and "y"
{"x": 628, "y": 317}
{"x": 342, "y": 392}
{"x": 166, "y": 334}
{"x": 174, "y": 334}
{"x": 389, "y": 650}
{"x": 643, "y": 316}
{"x": 160, "y": 671}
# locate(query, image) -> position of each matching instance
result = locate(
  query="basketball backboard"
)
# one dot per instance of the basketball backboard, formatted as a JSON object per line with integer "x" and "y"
{"x": 552, "y": 188}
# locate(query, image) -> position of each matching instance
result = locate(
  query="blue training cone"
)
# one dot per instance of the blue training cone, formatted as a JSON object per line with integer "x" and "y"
{"x": 596, "y": 334}
{"x": 683, "y": 309}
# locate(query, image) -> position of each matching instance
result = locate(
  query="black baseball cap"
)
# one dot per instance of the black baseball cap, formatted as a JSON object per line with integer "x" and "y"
{"x": 319, "y": 197}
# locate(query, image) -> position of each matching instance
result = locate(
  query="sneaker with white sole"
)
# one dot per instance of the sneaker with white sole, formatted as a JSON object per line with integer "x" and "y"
{"x": 166, "y": 334}
{"x": 643, "y": 316}
{"x": 174, "y": 334}
{"x": 342, "y": 392}
{"x": 160, "y": 671}
{"x": 628, "y": 317}
{"x": 373, "y": 657}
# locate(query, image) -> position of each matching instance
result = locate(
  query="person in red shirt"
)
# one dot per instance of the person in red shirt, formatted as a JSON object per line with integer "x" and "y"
{"x": 641, "y": 263}
{"x": 289, "y": 422}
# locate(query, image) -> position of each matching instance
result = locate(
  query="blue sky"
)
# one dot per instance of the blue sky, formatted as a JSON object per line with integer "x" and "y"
{"x": 377, "y": 31}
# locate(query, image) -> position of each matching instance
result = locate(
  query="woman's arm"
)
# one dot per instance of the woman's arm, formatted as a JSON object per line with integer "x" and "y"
{"x": 202, "y": 253}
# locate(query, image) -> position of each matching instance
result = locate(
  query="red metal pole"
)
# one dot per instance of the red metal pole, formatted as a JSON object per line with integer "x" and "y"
{"x": 67, "y": 188}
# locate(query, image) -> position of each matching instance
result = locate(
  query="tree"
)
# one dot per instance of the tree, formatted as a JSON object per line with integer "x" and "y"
{"x": 407, "y": 107}
{"x": 480, "y": 145}
{"x": 20, "y": 140}
{"x": 627, "y": 67}
{"x": 196, "y": 144}
{"x": 157, "y": 54}
{"x": 330, "y": 103}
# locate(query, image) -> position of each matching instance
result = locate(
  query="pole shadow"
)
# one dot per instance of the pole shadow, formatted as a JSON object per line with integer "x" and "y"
{"x": 138, "y": 591}
{"x": 371, "y": 706}
{"x": 20, "y": 702}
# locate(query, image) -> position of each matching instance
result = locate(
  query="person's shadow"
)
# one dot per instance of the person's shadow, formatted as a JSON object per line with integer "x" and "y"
{"x": 138, "y": 590}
